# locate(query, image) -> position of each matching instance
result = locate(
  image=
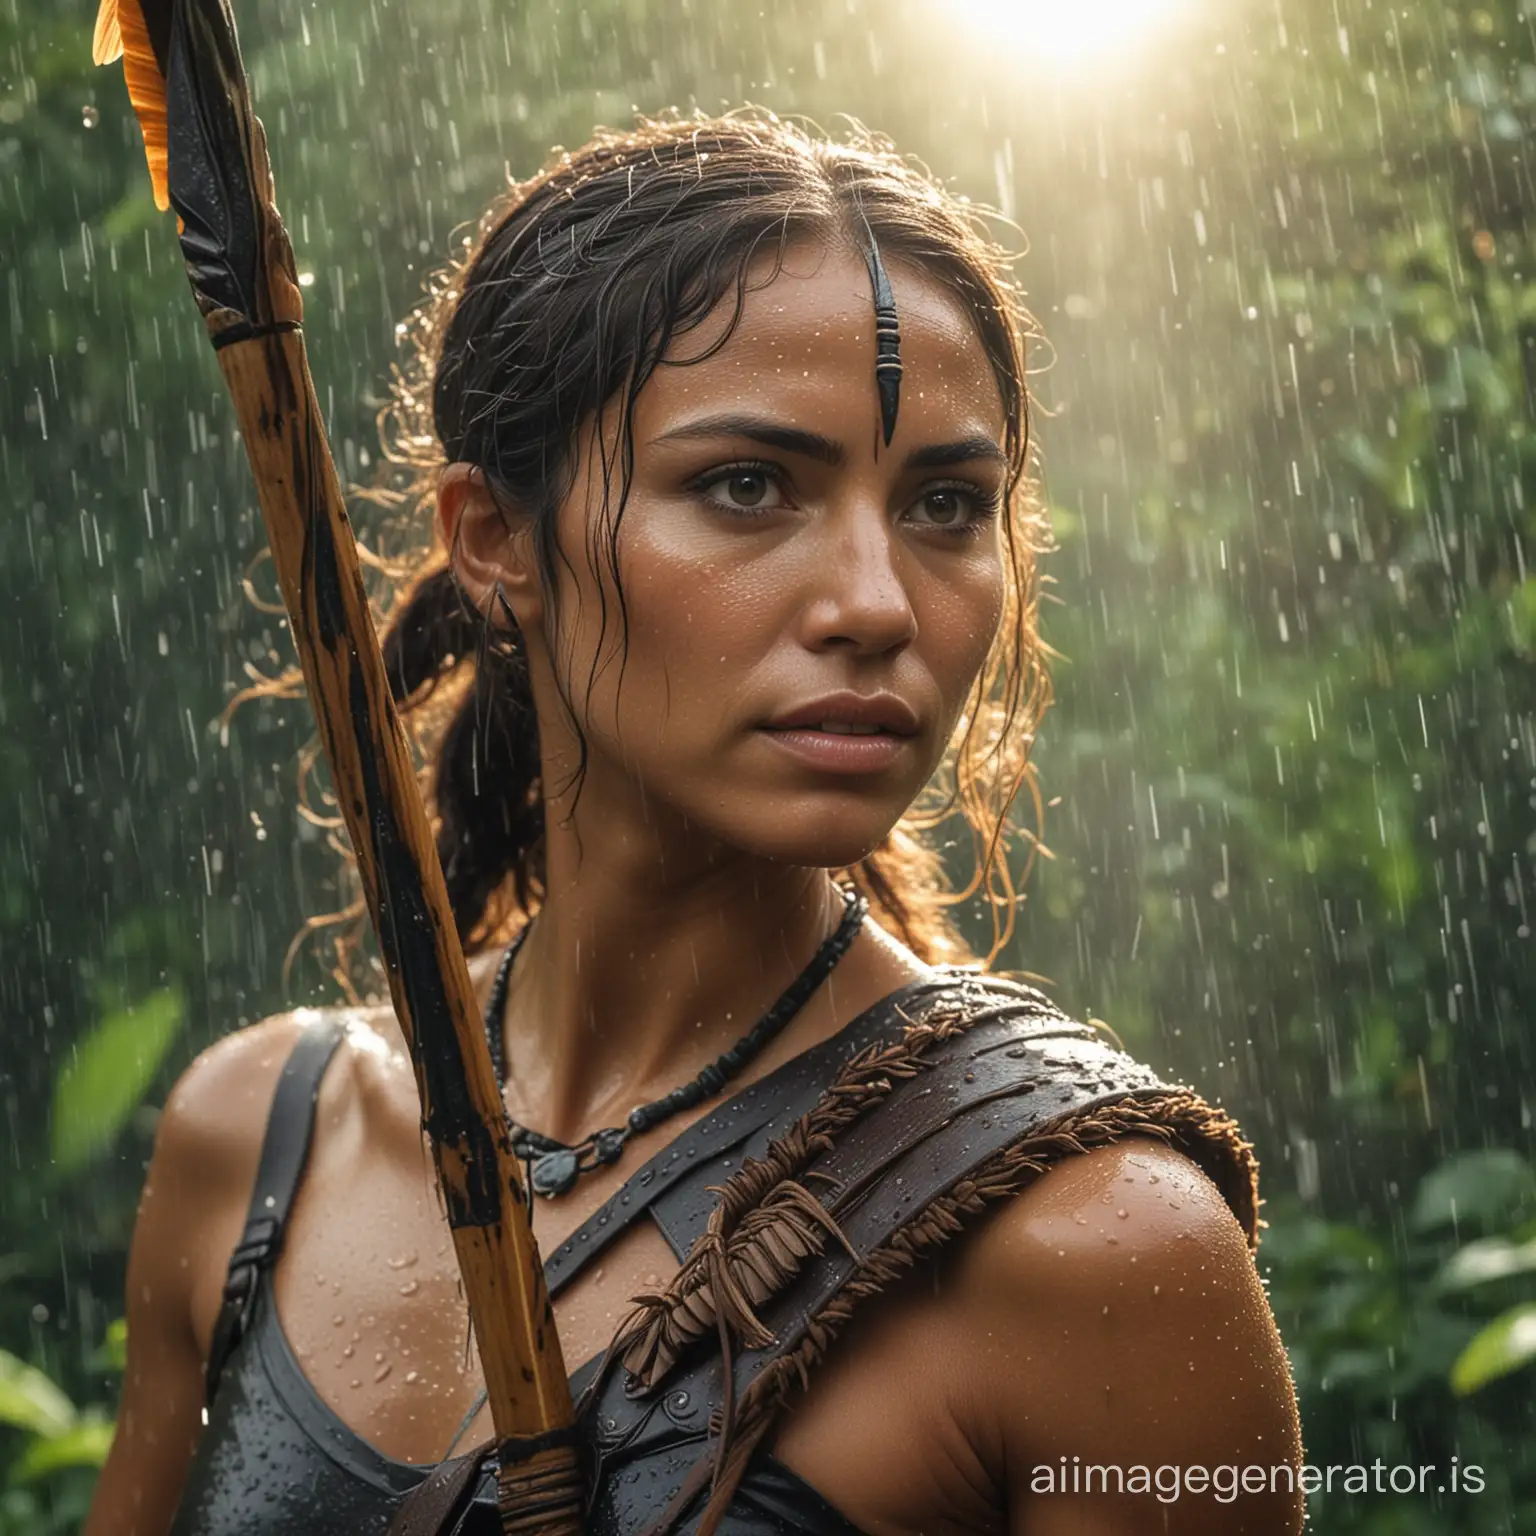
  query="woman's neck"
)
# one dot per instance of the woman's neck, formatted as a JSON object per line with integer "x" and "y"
{"x": 638, "y": 972}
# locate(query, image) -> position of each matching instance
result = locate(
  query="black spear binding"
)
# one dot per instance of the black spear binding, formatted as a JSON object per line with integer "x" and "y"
{"x": 208, "y": 160}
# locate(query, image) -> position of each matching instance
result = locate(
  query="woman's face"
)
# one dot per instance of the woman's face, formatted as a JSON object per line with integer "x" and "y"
{"x": 787, "y": 578}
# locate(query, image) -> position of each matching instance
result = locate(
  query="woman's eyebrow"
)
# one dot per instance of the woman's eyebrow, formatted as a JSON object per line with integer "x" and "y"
{"x": 963, "y": 451}
{"x": 774, "y": 434}
{"x": 825, "y": 450}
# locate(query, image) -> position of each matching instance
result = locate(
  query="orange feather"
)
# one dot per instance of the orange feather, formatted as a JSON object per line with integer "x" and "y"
{"x": 122, "y": 34}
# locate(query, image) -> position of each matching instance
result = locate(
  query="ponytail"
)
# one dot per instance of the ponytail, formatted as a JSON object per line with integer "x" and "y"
{"x": 486, "y": 786}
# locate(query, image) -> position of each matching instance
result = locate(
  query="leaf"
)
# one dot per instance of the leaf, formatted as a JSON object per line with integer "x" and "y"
{"x": 30, "y": 1400}
{"x": 97, "y": 1090}
{"x": 1478, "y": 1187}
{"x": 84, "y": 1445}
{"x": 112, "y": 1354}
{"x": 1505, "y": 1345}
{"x": 1495, "y": 1258}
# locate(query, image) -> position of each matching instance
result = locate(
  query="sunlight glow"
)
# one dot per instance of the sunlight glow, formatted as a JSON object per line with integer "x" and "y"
{"x": 1068, "y": 29}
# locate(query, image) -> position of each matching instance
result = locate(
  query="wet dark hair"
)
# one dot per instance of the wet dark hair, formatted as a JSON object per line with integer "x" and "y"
{"x": 577, "y": 285}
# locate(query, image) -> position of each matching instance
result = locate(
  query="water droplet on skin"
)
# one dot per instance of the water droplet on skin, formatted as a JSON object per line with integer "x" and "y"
{"x": 410, "y": 1287}
{"x": 355, "y": 1382}
{"x": 337, "y": 1321}
{"x": 1122, "y": 1213}
{"x": 404, "y": 1262}
{"x": 348, "y": 1352}
{"x": 382, "y": 1371}
{"x": 378, "y": 1359}
{"x": 1157, "y": 1290}
{"x": 411, "y": 1376}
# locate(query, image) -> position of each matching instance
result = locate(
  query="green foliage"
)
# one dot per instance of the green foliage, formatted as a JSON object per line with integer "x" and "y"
{"x": 30, "y": 1401}
{"x": 47, "y": 1484}
{"x": 1387, "y": 1346}
{"x": 1494, "y": 1258}
{"x": 106, "y": 1075}
{"x": 1474, "y": 1188}
{"x": 1507, "y": 1344}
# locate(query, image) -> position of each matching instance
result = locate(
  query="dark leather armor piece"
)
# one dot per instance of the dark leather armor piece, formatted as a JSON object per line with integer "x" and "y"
{"x": 275, "y": 1459}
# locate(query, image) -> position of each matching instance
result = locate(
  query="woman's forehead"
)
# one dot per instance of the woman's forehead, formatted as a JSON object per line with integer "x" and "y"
{"x": 804, "y": 350}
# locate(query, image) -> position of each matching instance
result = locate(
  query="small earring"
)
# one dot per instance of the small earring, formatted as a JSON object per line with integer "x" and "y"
{"x": 506, "y": 608}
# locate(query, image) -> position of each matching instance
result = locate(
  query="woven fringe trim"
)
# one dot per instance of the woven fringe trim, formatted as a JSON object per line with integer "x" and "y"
{"x": 767, "y": 1222}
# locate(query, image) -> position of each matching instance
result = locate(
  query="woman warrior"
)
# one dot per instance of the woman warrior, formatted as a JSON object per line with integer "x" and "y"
{"x": 725, "y": 430}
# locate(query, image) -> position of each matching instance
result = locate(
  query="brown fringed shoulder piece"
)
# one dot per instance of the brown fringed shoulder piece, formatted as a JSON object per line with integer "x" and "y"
{"x": 987, "y": 1087}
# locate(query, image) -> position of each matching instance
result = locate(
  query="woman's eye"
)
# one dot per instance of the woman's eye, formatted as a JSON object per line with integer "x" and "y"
{"x": 743, "y": 490}
{"x": 951, "y": 506}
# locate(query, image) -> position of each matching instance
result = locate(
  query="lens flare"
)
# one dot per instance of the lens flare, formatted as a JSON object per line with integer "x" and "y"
{"x": 1065, "y": 30}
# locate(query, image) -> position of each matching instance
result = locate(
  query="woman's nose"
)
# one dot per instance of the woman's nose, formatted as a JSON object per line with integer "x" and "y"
{"x": 858, "y": 596}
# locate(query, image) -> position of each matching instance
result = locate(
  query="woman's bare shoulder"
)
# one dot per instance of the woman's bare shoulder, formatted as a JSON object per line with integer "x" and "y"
{"x": 1119, "y": 1289}
{"x": 216, "y": 1115}
{"x": 1096, "y": 1220}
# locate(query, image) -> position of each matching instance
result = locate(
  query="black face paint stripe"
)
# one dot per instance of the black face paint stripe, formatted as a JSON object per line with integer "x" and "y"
{"x": 887, "y": 337}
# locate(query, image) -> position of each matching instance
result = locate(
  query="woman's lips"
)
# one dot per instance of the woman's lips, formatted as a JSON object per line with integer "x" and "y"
{"x": 837, "y": 751}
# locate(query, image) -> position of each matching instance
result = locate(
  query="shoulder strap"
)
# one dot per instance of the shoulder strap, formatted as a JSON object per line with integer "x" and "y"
{"x": 284, "y": 1152}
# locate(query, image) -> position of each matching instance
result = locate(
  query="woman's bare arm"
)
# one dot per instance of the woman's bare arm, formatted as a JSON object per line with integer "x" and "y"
{"x": 190, "y": 1215}
{"x": 1119, "y": 1323}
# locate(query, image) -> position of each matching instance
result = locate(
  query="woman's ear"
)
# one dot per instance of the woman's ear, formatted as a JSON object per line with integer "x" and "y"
{"x": 488, "y": 546}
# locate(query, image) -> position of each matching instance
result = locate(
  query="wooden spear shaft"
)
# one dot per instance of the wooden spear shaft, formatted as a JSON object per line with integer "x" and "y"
{"x": 315, "y": 556}
{"x": 208, "y": 160}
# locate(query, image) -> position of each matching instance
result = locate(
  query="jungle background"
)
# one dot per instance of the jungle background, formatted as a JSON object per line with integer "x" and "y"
{"x": 1278, "y": 252}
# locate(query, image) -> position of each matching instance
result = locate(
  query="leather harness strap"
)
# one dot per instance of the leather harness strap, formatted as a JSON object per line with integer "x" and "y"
{"x": 439, "y": 1501}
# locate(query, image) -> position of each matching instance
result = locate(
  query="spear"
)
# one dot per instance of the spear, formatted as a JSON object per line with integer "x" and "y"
{"x": 207, "y": 158}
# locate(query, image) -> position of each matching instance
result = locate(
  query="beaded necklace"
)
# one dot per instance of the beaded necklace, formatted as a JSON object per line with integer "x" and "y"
{"x": 555, "y": 1166}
